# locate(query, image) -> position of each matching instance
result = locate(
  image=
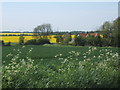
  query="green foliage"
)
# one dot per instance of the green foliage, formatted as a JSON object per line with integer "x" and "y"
{"x": 37, "y": 42}
{"x": 8, "y": 44}
{"x": 59, "y": 38}
{"x": 94, "y": 41}
{"x": 80, "y": 41}
{"x": 117, "y": 31}
{"x": 67, "y": 38}
{"x": 93, "y": 68}
{"x": 111, "y": 32}
{"x": 90, "y": 40}
{"x": 21, "y": 40}
{"x": 2, "y": 43}
{"x": 31, "y": 42}
{"x": 104, "y": 42}
{"x": 63, "y": 39}
{"x": 43, "y": 41}
{"x": 42, "y": 31}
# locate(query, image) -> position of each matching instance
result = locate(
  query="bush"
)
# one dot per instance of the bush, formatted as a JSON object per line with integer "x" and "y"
{"x": 8, "y": 44}
{"x": 90, "y": 40}
{"x": 37, "y": 42}
{"x": 2, "y": 43}
{"x": 5, "y": 44}
{"x": 21, "y": 40}
{"x": 31, "y": 42}
{"x": 94, "y": 41}
{"x": 104, "y": 42}
{"x": 43, "y": 41}
{"x": 59, "y": 39}
{"x": 80, "y": 41}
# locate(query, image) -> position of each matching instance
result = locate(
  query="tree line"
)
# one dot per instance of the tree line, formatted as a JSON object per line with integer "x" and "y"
{"x": 109, "y": 30}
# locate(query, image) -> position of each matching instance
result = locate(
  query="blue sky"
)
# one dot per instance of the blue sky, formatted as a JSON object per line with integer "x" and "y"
{"x": 63, "y": 16}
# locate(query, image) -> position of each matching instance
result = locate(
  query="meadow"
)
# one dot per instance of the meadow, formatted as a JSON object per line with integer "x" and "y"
{"x": 52, "y": 66}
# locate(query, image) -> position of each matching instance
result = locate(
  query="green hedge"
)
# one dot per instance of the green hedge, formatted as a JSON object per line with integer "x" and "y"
{"x": 37, "y": 42}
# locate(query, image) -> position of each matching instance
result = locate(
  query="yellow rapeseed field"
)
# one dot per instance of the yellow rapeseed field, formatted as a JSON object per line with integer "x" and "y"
{"x": 15, "y": 33}
{"x": 15, "y": 39}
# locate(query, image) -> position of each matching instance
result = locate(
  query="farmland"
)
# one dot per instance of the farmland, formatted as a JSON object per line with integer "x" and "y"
{"x": 15, "y": 39}
{"x": 60, "y": 45}
{"x": 59, "y": 66}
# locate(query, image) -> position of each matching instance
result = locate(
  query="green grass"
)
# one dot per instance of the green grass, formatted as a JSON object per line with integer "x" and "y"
{"x": 44, "y": 67}
{"x": 47, "y": 52}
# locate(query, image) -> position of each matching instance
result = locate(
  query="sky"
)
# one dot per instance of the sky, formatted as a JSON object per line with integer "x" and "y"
{"x": 63, "y": 16}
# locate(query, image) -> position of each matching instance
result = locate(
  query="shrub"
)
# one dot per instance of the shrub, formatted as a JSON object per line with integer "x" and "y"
{"x": 67, "y": 39}
{"x": 80, "y": 41}
{"x": 37, "y": 42}
{"x": 59, "y": 39}
{"x": 94, "y": 41}
{"x": 31, "y": 42}
{"x": 43, "y": 41}
{"x": 8, "y": 44}
{"x": 104, "y": 42}
{"x": 90, "y": 40}
{"x": 2, "y": 43}
{"x": 5, "y": 44}
{"x": 21, "y": 40}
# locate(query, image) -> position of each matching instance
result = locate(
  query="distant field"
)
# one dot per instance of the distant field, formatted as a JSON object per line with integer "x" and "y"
{"x": 59, "y": 66}
{"x": 15, "y": 39}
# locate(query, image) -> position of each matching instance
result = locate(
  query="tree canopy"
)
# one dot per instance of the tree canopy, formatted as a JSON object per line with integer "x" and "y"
{"x": 42, "y": 31}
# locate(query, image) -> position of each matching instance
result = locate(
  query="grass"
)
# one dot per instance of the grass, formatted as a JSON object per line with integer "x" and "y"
{"x": 39, "y": 52}
{"x": 59, "y": 66}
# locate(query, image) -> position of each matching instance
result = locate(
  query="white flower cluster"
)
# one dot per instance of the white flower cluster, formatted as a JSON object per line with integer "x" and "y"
{"x": 58, "y": 55}
{"x": 9, "y": 55}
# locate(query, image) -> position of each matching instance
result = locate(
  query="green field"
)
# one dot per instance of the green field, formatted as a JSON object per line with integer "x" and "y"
{"x": 59, "y": 66}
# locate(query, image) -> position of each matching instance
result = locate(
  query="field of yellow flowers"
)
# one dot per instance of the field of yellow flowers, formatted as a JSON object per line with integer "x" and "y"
{"x": 15, "y": 39}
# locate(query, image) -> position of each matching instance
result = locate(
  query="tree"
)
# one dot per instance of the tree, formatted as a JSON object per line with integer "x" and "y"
{"x": 67, "y": 38}
{"x": 3, "y": 43}
{"x": 98, "y": 41}
{"x": 80, "y": 41}
{"x": 116, "y": 31}
{"x": 21, "y": 40}
{"x": 59, "y": 38}
{"x": 90, "y": 40}
{"x": 31, "y": 42}
{"x": 106, "y": 29}
{"x": 37, "y": 42}
{"x": 111, "y": 32}
{"x": 42, "y": 31}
